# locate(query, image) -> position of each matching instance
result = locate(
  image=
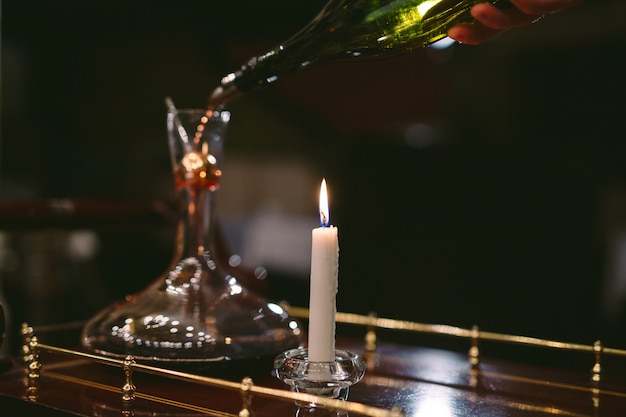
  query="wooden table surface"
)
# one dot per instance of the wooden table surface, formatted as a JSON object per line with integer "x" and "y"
{"x": 402, "y": 378}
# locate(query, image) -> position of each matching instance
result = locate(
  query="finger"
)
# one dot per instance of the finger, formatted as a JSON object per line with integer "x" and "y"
{"x": 472, "y": 34}
{"x": 541, "y": 7}
{"x": 501, "y": 19}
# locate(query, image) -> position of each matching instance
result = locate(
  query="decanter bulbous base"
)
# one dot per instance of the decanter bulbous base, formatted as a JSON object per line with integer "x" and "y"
{"x": 192, "y": 318}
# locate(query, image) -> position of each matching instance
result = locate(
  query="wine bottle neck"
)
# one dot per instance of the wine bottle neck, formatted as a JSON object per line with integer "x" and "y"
{"x": 260, "y": 72}
{"x": 306, "y": 47}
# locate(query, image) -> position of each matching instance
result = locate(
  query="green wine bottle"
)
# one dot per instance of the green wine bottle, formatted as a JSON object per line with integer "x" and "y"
{"x": 349, "y": 29}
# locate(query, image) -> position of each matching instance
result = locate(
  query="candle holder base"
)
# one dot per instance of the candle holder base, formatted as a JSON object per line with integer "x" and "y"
{"x": 324, "y": 379}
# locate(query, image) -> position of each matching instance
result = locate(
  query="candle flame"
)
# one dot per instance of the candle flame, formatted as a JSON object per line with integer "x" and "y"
{"x": 324, "y": 211}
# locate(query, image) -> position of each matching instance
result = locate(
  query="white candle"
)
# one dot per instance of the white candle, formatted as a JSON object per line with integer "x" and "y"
{"x": 324, "y": 274}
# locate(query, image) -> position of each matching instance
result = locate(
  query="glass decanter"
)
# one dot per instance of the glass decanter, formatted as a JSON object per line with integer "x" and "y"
{"x": 195, "y": 312}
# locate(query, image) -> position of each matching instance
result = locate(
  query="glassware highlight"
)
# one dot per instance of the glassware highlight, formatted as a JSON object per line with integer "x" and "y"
{"x": 196, "y": 311}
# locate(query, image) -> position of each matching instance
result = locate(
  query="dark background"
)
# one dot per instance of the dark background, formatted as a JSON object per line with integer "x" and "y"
{"x": 472, "y": 185}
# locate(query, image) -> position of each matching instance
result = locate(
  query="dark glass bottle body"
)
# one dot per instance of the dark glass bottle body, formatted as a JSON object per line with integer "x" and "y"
{"x": 349, "y": 29}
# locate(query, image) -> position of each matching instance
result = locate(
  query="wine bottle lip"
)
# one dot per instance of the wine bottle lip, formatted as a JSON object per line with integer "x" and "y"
{"x": 224, "y": 94}
{"x": 217, "y": 92}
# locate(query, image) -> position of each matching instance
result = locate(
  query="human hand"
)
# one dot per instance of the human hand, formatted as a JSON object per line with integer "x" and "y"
{"x": 491, "y": 20}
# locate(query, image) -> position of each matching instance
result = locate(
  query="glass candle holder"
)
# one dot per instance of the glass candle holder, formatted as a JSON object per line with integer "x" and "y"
{"x": 324, "y": 379}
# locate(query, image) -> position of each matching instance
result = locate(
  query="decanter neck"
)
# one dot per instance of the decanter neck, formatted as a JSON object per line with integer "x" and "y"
{"x": 195, "y": 235}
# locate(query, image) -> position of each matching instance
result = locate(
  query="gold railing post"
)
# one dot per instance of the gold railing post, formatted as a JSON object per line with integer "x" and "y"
{"x": 27, "y": 334}
{"x": 474, "y": 353}
{"x": 246, "y": 396}
{"x": 370, "y": 335}
{"x": 34, "y": 369}
{"x": 128, "y": 389}
{"x": 597, "y": 368}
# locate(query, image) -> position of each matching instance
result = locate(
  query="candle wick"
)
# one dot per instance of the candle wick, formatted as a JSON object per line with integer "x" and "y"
{"x": 323, "y": 218}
